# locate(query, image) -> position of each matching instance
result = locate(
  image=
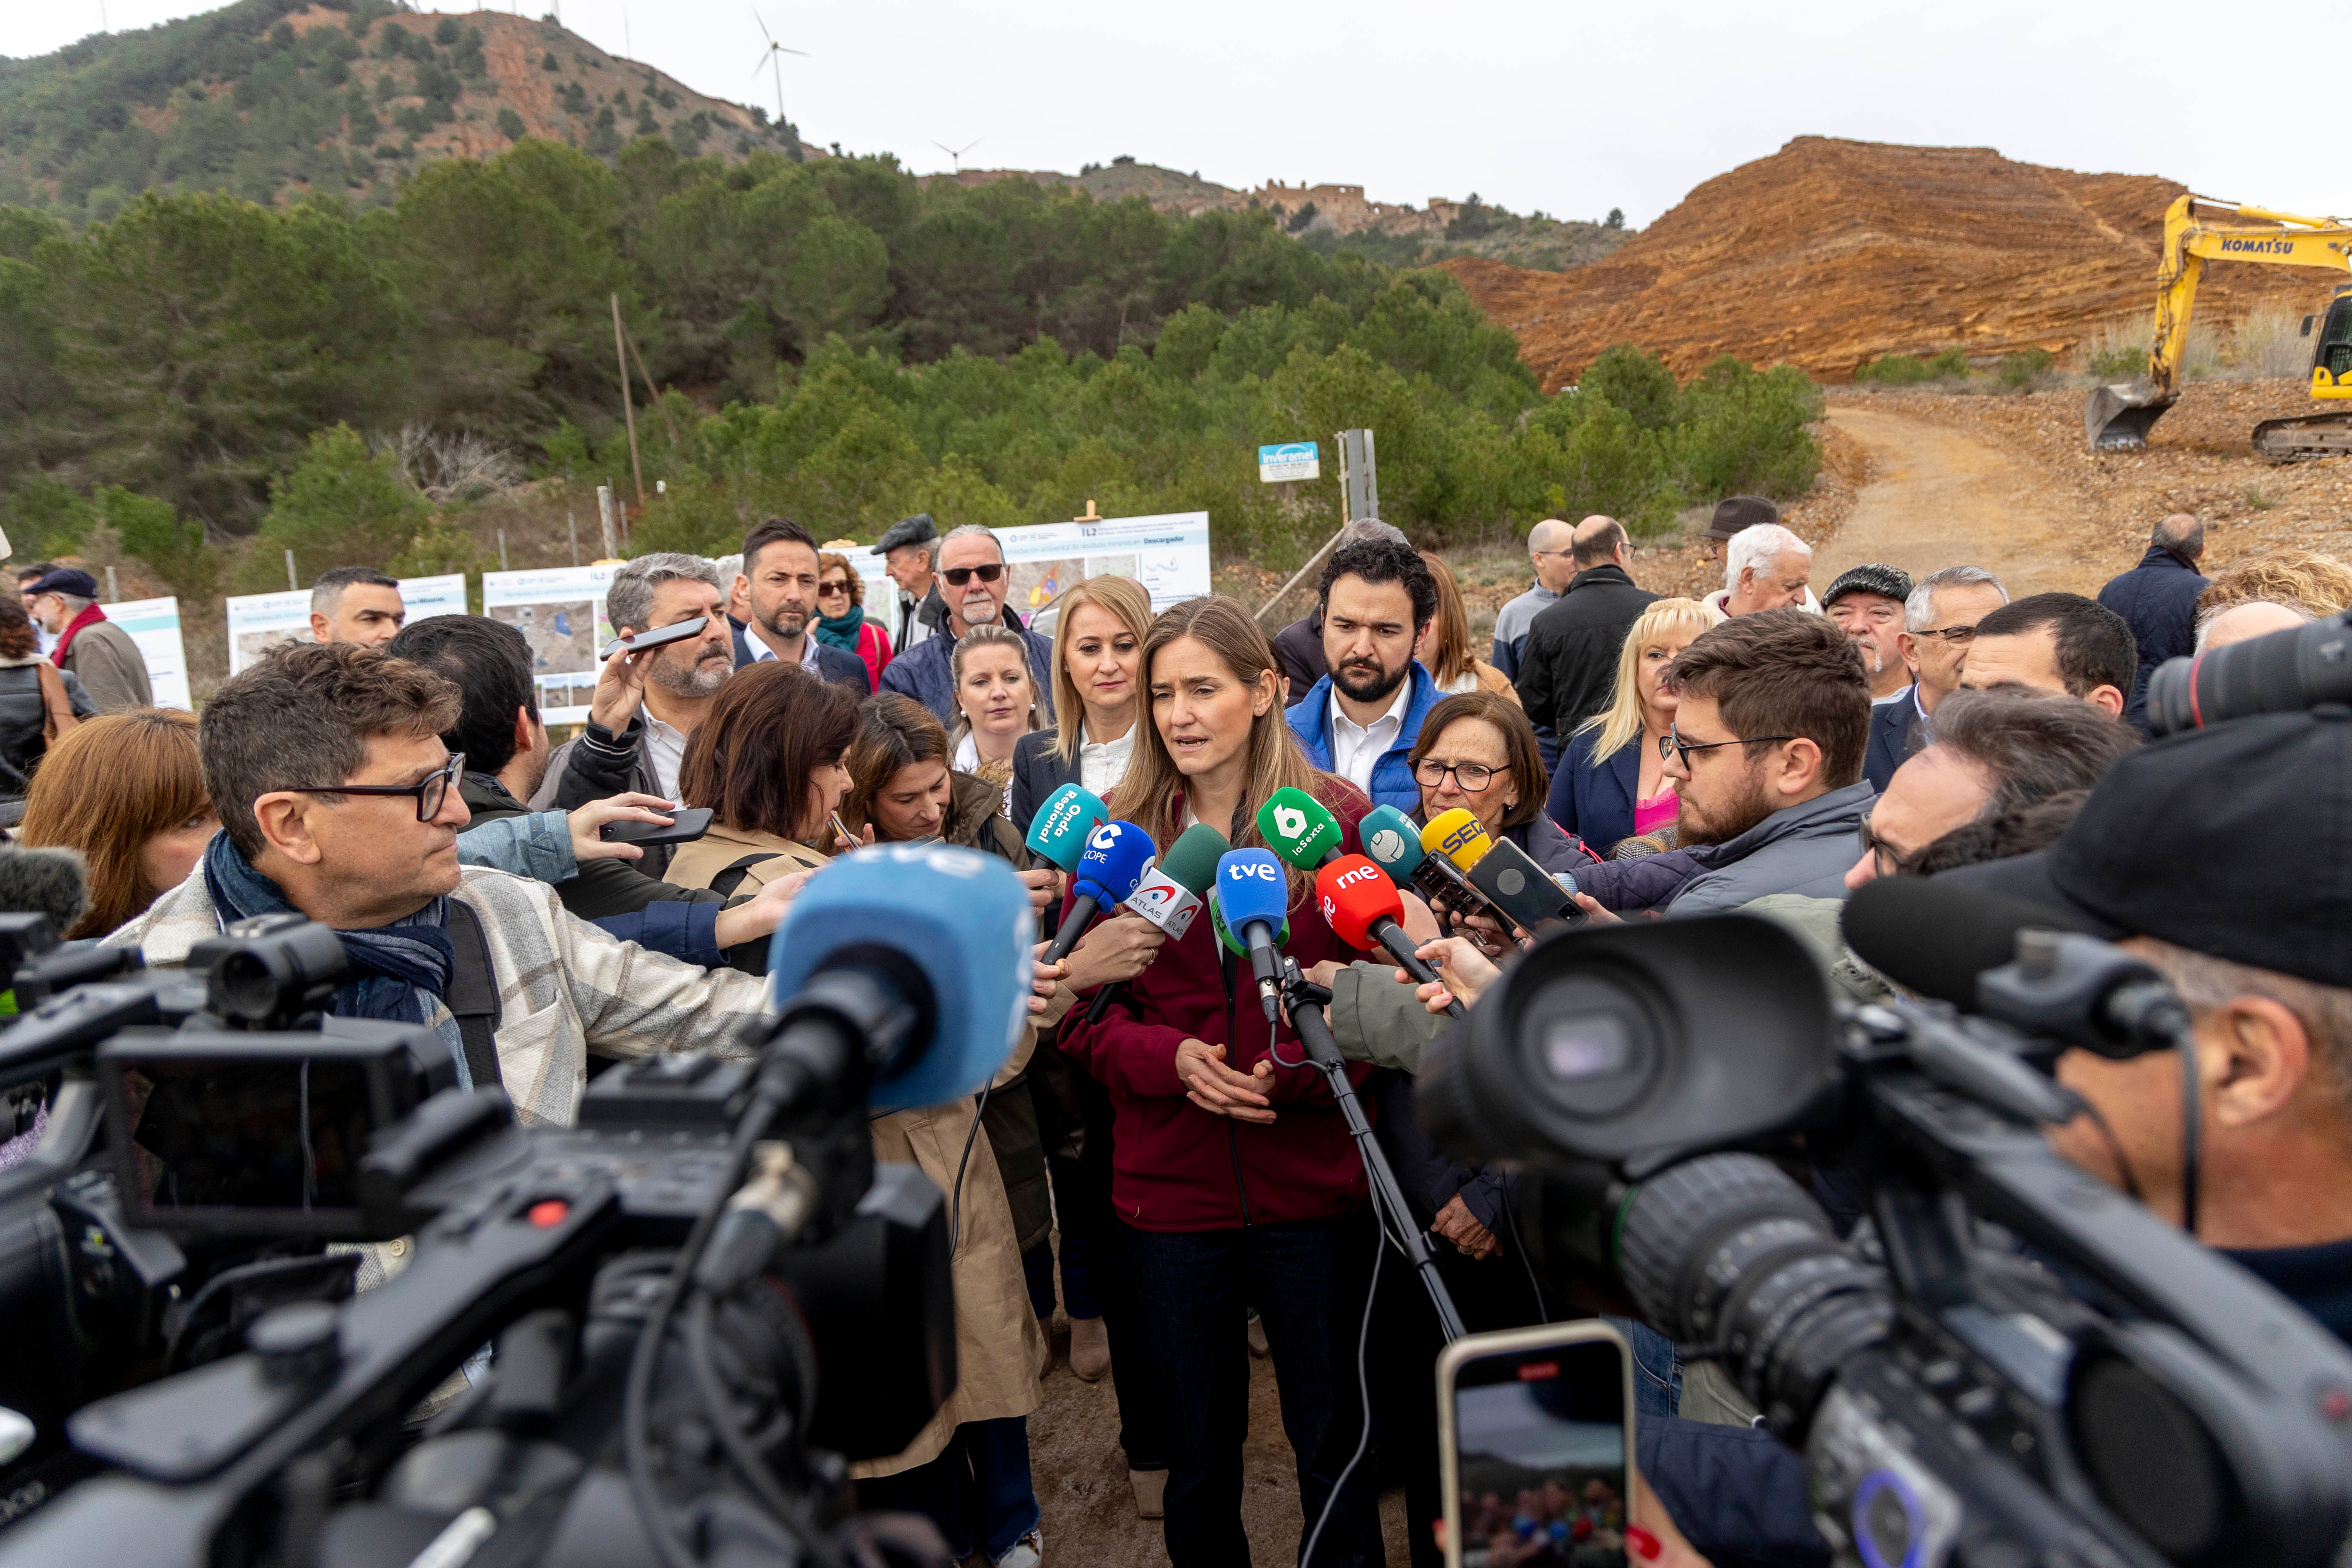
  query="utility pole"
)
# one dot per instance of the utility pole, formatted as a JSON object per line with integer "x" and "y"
{"x": 629, "y": 404}
{"x": 604, "y": 515}
{"x": 291, "y": 585}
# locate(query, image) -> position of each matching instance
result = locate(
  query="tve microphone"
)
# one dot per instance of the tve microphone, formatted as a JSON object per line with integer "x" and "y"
{"x": 1522, "y": 891}
{"x": 1117, "y": 856}
{"x": 1171, "y": 892}
{"x": 1299, "y": 828}
{"x": 1058, "y": 832}
{"x": 1254, "y": 893}
{"x": 1362, "y": 908}
{"x": 949, "y": 927}
{"x": 1224, "y": 934}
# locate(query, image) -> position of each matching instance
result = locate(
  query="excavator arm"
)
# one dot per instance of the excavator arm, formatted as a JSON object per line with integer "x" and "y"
{"x": 2118, "y": 417}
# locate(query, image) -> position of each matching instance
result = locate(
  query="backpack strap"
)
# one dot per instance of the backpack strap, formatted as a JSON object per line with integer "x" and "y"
{"x": 472, "y": 998}
{"x": 731, "y": 877}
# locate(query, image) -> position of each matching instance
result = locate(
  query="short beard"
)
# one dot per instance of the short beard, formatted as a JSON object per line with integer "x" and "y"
{"x": 774, "y": 624}
{"x": 1750, "y": 806}
{"x": 1383, "y": 686}
{"x": 693, "y": 681}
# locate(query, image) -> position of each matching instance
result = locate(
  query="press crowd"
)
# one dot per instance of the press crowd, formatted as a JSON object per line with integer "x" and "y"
{"x": 1158, "y": 1173}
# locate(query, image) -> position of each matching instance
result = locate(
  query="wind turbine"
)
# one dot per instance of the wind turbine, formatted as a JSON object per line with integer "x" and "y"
{"x": 773, "y": 56}
{"x": 955, "y": 154}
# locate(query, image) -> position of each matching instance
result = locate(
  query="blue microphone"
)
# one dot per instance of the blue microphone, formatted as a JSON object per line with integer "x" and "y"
{"x": 1254, "y": 896}
{"x": 1117, "y": 856}
{"x": 948, "y": 930}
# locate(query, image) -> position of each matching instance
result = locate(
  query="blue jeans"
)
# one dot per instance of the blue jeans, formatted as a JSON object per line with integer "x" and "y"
{"x": 977, "y": 1491}
{"x": 1308, "y": 1280}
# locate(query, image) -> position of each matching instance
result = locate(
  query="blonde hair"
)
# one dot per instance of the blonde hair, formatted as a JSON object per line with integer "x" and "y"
{"x": 1147, "y": 795}
{"x": 1123, "y": 598}
{"x": 988, "y": 636}
{"x": 1452, "y": 653}
{"x": 2299, "y": 579}
{"x": 1620, "y": 723}
{"x": 107, "y": 786}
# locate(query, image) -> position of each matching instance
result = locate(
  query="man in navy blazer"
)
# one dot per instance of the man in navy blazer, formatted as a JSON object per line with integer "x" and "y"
{"x": 1939, "y": 621}
{"x": 780, "y": 575}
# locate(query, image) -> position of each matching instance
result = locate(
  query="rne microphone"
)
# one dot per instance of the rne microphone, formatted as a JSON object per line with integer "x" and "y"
{"x": 1059, "y": 831}
{"x": 1299, "y": 828}
{"x": 1362, "y": 907}
{"x": 1117, "y": 854}
{"x": 1253, "y": 897}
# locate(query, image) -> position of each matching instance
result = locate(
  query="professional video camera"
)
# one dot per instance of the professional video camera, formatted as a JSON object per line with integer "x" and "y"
{"x": 2283, "y": 672}
{"x": 657, "y": 1336}
{"x": 2010, "y": 1362}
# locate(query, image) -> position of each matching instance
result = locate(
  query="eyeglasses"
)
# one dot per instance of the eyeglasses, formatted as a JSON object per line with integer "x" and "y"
{"x": 430, "y": 791}
{"x": 1958, "y": 636}
{"x": 1471, "y": 777}
{"x": 827, "y": 590}
{"x": 1671, "y": 742}
{"x": 958, "y": 577}
{"x": 1886, "y": 860}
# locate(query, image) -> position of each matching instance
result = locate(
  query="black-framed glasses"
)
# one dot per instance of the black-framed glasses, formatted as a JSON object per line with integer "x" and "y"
{"x": 1469, "y": 777}
{"x": 1886, "y": 860}
{"x": 430, "y": 791}
{"x": 1959, "y": 636}
{"x": 958, "y": 577}
{"x": 1671, "y": 742}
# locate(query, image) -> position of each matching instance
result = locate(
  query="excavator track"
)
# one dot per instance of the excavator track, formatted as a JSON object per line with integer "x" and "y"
{"x": 2307, "y": 437}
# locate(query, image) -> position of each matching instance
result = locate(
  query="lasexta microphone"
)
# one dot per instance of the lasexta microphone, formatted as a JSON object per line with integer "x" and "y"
{"x": 1172, "y": 892}
{"x": 948, "y": 930}
{"x": 1254, "y": 892}
{"x": 1299, "y": 828}
{"x": 1117, "y": 856}
{"x": 1362, "y": 907}
{"x": 1058, "y": 832}
{"x": 1523, "y": 891}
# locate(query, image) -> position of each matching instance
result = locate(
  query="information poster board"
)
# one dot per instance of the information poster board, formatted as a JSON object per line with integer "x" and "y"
{"x": 1168, "y": 555}
{"x": 259, "y": 622}
{"x": 560, "y": 610}
{"x": 153, "y": 626}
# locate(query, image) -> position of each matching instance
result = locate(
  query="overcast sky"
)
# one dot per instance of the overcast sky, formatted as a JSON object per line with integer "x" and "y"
{"x": 1571, "y": 108}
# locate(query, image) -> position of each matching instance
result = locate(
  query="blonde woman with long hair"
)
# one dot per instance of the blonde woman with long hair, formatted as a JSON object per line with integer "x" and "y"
{"x": 1232, "y": 1175}
{"x": 1099, "y": 630}
{"x": 1611, "y": 784}
{"x": 996, "y": 704}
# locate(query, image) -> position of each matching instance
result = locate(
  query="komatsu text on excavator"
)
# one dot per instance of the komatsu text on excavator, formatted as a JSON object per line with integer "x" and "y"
{"x": 2118, "y": 417}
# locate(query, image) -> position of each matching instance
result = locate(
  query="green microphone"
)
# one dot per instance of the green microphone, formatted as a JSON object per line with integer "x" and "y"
{"x": 1299, "y": 828}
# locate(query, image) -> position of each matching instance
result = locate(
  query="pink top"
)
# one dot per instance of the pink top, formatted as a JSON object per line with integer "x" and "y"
{"x": 1656, "y": 812}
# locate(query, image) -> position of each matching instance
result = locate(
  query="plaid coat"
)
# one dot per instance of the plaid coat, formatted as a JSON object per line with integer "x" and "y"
{"x": 565, "y": 987}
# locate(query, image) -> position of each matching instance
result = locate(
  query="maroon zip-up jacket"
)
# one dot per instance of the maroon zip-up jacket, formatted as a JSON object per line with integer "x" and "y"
{"x": 1176, "y": 1167}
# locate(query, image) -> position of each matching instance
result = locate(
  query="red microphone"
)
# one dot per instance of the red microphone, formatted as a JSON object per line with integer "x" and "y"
{"x": 1362, "y": 906}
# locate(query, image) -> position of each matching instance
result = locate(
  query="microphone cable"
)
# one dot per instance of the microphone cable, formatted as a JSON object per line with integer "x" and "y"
{"x": 1364, "y": 1387}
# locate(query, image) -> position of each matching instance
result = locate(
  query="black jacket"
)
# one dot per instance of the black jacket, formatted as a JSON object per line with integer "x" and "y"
{"x": 1038, "y": 771}
{"x": 1568, "y": 672}
{"x": 1891, "y": 725}
{"x": 1298, "y": 651}
{"x": 603, "y": 887}
{"x": 2158, "y": 599}
{"x": 836, "y": 665}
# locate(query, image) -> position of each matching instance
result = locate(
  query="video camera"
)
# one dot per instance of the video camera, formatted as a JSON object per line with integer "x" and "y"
{"x": 657, "y": 1336}
{"x": 2009, "y": 1362}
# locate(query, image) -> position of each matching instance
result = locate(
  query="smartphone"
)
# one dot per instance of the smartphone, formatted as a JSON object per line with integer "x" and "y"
{"x": 687, "y": 825}
{"x": 660, "y": 637}
{"x": 1536, "y": 1446}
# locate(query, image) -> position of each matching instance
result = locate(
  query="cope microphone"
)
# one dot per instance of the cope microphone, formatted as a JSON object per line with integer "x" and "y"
{"x": 1254, "y": 902}
{"x": 1299, "y": 828}
{"x": 1362, "y": 908}
{"x": 1058, "y": 832}
{"x": 1117, "y": 856}
{"x": 946, "y": 929}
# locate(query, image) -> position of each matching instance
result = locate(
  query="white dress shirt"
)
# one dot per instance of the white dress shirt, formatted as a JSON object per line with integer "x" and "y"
{"x": 763, "y": 654}
{"x": 1102, "y": 763}
{"x": 665, "y": 749}
{"x": 1357, "y": 749}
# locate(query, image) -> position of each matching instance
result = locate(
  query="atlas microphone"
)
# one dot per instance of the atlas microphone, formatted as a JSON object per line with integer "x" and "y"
{"x": 1115, "y": 856}
{"x": 1172, "y": 892}
{"x": 1254, "y": 902}
{"x": 1362, "y": 907}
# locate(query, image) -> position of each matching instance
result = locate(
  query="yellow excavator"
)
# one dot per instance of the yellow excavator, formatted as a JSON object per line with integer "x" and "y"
{"x": 2116, "y": 418}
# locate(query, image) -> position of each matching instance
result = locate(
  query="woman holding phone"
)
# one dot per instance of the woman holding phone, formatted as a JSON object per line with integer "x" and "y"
{"x": 1234, "y": 1176}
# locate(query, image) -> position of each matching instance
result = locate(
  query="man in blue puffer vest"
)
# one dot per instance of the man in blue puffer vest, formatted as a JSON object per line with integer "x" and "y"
{"x": 1361, "y": 719}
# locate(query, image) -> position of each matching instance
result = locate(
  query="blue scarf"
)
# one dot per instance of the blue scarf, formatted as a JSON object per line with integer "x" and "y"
{"x": 399, "y": 970}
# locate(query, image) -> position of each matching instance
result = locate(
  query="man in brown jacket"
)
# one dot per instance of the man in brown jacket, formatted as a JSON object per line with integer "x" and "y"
{"x": 89, "y": 646}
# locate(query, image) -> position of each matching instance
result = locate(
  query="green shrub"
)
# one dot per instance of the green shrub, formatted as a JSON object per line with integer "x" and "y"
{"x": 2023, "y": 369}
{"x": 1951, "y": 365}
{"x": 342, "y": 506}
{"x": 1893, "y": 370}
{"x": 2119, "y": 364}
{"x": 1637, "y": 383}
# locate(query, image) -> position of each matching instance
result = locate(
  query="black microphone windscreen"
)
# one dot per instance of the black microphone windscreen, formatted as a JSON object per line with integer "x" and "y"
{"x": 1935, "y": 939}
{"x": 43, "y": 882}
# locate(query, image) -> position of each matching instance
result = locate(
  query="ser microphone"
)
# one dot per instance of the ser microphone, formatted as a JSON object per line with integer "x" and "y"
{"x": 949, "y": 928}
{"x": 1253, "y": 900}
{"x": 1397, "y": 847}
{"x": 1117, "y": 856}
{"x": 1362, "y": 907}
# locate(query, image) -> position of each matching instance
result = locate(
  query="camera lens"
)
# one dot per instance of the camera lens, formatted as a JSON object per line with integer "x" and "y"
{"x": 2276, "y": 674}
{"x": 1593, "y": 1045}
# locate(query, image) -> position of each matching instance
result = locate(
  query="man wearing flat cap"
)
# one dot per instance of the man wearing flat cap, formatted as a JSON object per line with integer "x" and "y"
{"x": 910, "y": 555}
{"x": 89, "y": 646}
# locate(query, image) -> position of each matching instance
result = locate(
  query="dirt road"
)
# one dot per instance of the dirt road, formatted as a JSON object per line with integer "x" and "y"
{"x": 1938, "y": 495}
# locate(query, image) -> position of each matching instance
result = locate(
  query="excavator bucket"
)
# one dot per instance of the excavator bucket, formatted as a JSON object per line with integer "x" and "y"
{"x": 2116, "y": 418}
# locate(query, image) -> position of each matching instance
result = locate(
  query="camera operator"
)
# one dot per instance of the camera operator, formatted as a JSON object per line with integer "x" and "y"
{"x": 2262, "y": 955}
{"x": 340, "y": 800}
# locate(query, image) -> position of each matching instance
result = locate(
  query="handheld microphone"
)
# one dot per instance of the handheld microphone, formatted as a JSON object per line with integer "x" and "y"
{"x": 1299, "y": 828}
{"x": 48, "y": 882}
{"x": 1117, "y": 856}
{"x": 1058, "y": 832}
{"x": 1457, "y": 836}
{"x": 949, "y": 930}
{"x": 1254, "y": 896}
{"x": 1393, "y": 844}
{"x": 1453, "y": 842}
{"x": 1362, "y": 907}
{"x": 1172, "y": 890}
{"x": 1522, "y": 891}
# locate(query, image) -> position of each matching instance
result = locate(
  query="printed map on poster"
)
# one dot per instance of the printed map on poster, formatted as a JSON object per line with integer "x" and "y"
{"x": 259, "y": 622}
{"x": 560, "y": 610}
{"x": 1168, "y": 555}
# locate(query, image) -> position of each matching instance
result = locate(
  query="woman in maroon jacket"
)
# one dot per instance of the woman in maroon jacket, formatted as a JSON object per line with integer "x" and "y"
{"x": 1232, "y": 1173}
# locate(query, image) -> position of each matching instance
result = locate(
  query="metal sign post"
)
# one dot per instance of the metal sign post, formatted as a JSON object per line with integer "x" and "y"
{"x": 1360, "y": 498}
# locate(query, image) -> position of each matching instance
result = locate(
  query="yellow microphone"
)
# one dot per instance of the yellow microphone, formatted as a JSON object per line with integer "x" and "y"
{"x": 1452, "y": 843}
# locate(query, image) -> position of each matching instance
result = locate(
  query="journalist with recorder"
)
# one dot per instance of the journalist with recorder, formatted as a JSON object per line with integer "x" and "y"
{"x": 1235, "y": 1180}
